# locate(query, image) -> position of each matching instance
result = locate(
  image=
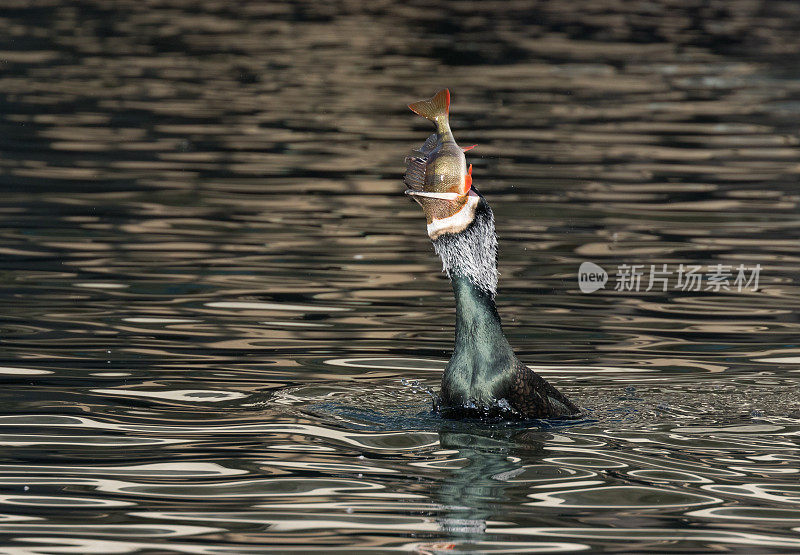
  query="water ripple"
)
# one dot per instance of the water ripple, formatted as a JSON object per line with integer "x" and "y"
{"x": 220, "y": 318}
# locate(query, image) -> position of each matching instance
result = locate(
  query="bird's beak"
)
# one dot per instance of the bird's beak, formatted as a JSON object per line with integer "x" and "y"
{"x": 426, "y": 194}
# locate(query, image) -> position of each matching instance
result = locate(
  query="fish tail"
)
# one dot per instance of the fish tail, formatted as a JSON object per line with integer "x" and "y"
{"x": 435, "y": 107}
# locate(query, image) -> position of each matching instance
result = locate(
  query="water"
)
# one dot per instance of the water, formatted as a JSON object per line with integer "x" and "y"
{"x": 215, "y": 299}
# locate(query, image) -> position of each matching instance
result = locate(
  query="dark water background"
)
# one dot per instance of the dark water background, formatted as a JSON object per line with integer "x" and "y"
{"x": 213, "y": 288}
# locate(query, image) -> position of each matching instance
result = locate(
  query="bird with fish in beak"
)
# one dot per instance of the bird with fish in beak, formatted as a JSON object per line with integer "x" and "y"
{"x": 483, "y": 377}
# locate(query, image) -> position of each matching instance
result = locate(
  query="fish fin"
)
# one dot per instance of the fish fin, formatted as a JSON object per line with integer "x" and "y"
{"x": 467, "y": 148}
{"x": 430, "y": 143}
{"x": 436, "y": 106}
{"x": 468, "y": 180}
{"x": 415, "y": 173}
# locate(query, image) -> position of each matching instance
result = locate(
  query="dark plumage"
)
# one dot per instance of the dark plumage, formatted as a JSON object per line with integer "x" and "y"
{"x": 484, "y": 376}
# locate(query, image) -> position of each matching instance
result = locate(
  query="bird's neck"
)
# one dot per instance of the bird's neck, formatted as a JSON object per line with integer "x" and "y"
{"x": 470, "y": 260}
{"x": 478, "y": 325}
{"x": 472, "y": 253}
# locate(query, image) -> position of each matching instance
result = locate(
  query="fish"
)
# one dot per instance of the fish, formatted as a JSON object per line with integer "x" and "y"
{"x": 437, "y": 175}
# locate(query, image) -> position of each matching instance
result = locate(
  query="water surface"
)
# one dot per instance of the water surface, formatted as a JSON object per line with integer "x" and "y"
{"x": 215, "y": 298}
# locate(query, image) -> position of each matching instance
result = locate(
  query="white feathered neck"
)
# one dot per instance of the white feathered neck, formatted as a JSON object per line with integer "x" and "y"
{"x": 472, "y": 253}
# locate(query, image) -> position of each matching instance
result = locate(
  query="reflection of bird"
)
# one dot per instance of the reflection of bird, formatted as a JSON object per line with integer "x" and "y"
{"x": 483, "y": 374}
{"x": 477, "y": 485}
